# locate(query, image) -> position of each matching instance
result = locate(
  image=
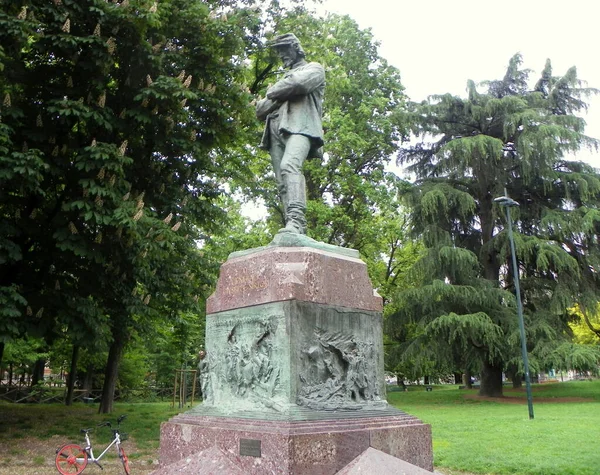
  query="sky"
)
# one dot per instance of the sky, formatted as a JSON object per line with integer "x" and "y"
{"x": 440, "y": 44}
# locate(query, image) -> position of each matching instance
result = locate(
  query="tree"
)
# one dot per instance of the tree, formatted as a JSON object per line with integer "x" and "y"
{"x": 471, "y": 150}
{"x": 111, "y": 124}
{"x": 21, "y": 357}
{"x": 173, "y": 345}
{"x": 585, "y": 326}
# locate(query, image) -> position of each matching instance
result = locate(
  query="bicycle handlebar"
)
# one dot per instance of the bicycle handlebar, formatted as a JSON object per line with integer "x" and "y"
{"x": 105, "y": 424}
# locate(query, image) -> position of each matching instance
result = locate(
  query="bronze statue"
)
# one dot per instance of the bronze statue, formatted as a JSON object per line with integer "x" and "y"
{"x": 292, "y": 113}
{"x": 204, "y": 372}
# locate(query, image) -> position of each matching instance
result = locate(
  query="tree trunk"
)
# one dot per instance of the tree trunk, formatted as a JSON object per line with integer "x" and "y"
{"x": 400, "y": 381}
{"x": 112, "y": 371}
{"x": 88, "y": 380}
{"x": 491, "y": 374}
{"x": 512, "y": 373}
{"x": 467, "y": 379}
{"x": 489, "y": 259}
{"x": 458, "y": 378}
{"x": 1, "y": 355}
{"x": 426, "y": 380}
{"x": 10, "y": 374}
{"x": 38, "y": 371}
{"x": 72, "y": 375}
{"x": 491, "y": 380}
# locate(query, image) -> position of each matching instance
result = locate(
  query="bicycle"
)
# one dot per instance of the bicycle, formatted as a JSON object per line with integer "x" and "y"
{"x": 71, "y": 459}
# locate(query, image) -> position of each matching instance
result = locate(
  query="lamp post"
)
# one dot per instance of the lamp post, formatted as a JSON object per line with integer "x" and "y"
{"x": 508, "y": 203}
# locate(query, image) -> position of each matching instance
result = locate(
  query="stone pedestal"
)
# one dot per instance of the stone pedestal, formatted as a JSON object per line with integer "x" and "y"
{"x": 293, "y": 380}
{"x": 192, "y": 444}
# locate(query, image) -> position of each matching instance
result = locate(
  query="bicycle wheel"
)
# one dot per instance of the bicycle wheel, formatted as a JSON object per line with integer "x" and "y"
{"x": 71, "y": 459}
{"x": 124, "y": 459}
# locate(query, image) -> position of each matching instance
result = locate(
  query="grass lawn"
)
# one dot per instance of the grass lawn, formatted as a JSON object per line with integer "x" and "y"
{"x": 497, "y": 437}
{"x": 47, "y": 420}
{"x": 31, "y": 433}
{"x": 470, "y": 435}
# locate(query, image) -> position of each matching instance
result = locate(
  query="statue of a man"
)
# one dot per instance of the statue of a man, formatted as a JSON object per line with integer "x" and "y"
{"x": 293, "y": 132}
{"x": 205, "y": 377}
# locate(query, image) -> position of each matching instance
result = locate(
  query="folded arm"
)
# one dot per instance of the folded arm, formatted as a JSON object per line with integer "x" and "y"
{"x": 264, "y": 107}
{"x": 298, "y": 83}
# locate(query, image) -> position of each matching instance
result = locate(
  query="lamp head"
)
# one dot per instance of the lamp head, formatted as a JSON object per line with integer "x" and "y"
{"x": 506, "y": 201}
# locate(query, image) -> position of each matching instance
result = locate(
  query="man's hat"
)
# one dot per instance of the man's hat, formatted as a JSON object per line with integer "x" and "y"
{"x": 284, "y": 40}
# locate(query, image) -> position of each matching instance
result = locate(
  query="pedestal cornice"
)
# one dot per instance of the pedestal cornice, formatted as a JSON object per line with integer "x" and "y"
{"x": 294, "y": 273}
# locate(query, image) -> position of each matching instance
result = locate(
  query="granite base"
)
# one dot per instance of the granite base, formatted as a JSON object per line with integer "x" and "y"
{"x": 203, "y": 445}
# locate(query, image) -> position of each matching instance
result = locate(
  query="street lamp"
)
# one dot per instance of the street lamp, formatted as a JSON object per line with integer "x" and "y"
{"x": 509, "y": 203}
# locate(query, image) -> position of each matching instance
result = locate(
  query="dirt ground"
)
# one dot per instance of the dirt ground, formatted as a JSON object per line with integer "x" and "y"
{"x": 32, "y": 456}
{"x": 38, "y": 459}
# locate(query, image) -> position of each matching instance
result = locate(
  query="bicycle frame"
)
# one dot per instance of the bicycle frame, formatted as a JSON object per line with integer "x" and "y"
{"x": 90, "y": 450}
{"x": 73, "y": 458}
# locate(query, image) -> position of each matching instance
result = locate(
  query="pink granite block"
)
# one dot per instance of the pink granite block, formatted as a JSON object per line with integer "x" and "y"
{"x": 211, "y": 461}
{"x": 321, "y": 447}
{"x": 178, "y": 441}
{"x": 326, "y": 453}
{"x": 409, "y": 443}
{"x": 306, "y": 274}
{"x": 375, "y": 462}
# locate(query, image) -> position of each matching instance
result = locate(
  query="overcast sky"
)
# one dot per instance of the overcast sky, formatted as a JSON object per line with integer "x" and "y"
{"x": 439, "y": 44}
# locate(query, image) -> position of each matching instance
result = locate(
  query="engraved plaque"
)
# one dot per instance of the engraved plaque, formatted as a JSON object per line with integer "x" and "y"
{"x": 250, "y": 447}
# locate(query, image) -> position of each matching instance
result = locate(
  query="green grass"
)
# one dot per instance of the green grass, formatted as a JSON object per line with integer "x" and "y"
{"x": 486, "y": 437}
{"x": 471, "y": 435}
{"x": 46, "y": 420}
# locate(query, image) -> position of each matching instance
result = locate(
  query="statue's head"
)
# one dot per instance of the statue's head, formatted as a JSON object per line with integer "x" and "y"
{"x": 288, "y": 48}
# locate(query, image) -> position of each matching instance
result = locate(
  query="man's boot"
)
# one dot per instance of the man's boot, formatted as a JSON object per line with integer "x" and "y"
{"x": 295, "y": 221}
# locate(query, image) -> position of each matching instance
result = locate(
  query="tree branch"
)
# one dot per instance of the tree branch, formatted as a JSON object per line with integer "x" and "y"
{"x": 587, "y": 321}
